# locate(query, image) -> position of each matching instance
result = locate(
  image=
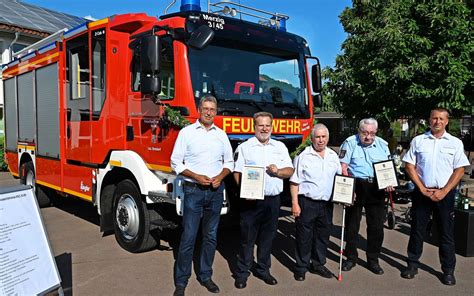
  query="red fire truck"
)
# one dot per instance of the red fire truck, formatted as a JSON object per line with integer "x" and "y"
{"x": 93, "y": 112}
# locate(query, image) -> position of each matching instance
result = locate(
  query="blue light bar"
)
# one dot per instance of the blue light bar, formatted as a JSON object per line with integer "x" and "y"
{"x": 282, "y": 25}
{"x": 76, "y": 30}
{"x": 47, "y": 47}
{"x": 190, "y": 5}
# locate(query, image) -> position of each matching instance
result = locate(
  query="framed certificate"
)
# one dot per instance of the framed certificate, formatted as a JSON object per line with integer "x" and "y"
{"x": 343, "y": 189}
{"x": 385, "y": 174}
{"x": 253, "y": 182}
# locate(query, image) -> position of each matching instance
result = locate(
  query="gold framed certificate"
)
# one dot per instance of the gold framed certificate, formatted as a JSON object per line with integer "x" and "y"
{"x": 385, "y": 173}
{"x": 343, "y": 189}
{"x": 253, "y": 182}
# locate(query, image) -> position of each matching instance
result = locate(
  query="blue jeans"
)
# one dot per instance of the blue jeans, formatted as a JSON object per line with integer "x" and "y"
{"x": 205, "y": 204}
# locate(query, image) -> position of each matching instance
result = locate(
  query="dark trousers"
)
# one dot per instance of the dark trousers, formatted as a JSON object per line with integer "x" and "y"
{"x": 372, "y": 199}
{"x": 258, "y": 224}
{"x": 443, "y": 213}
{"x": 198, "y": 204}
{"x": 313, "y": 228}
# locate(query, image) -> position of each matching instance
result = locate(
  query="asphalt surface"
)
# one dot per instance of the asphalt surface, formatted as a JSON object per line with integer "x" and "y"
{"x": 91, "y": 263}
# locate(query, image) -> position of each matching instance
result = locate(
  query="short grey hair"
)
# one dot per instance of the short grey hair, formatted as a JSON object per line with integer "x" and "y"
{"x": 262, "y": 114}
{"x": 319, "y": 126}
{"x": 207, "y": 98}
{"x": 368, "y": 121}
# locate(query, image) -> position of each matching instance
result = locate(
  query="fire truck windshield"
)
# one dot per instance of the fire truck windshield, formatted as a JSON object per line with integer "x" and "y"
{"x": 246, "y": 79}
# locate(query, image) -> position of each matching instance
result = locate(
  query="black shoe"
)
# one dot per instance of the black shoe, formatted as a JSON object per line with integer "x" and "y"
{"x": 321, "y": 270}
{"x": 448, "y": 279}
{"x": 268, "y": 279}
{"x": 375, "y": 268}
{"x": 348, "y": 265}
{"x": 299, "y": 276}
{"x": 179, "y": 291}
{"x": 240, "y": 284}
{"x": 409, "y": 272}
{"x": 210, "y": 286}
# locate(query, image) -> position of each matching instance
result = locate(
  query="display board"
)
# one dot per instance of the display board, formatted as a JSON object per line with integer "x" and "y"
{"x": 27, "y": 265}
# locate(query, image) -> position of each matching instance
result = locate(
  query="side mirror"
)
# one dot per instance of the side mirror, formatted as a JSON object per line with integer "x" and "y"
{"x": 201, "y": 37}
{"x": 150, "y": 50}
{"x": 316, "y": 78}
{"x": 150, "y": 85}
{"x": 318, "y": 100}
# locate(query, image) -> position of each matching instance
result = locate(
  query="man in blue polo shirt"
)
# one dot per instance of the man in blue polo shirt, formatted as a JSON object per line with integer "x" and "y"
{"x": 435, "y": 163}
{"x": 357, "y": 155}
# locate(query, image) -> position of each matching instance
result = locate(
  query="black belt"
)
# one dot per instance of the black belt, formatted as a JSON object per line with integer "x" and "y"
{"x": 199, "y": 186}
{"x": 309, "y": 198}
{"x": 366, "y": 180}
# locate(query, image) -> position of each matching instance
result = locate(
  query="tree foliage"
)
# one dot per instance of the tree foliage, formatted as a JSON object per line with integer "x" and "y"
{"x": 403, "y": 57}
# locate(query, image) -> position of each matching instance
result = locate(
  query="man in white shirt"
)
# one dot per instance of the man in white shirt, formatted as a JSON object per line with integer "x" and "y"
{"x": 311, "y": 190}
{"x": 259, "y": 218}
{"x": 435, "y": 163}
{"x": 203, "y": 155}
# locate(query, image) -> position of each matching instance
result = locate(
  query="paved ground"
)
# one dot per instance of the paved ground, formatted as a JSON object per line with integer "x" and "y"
{"x": 93, "y": 264}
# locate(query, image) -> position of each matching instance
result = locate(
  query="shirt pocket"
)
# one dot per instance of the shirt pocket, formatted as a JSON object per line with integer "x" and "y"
{"x": 312, "y": 170}
{"x": 447, "y": 154}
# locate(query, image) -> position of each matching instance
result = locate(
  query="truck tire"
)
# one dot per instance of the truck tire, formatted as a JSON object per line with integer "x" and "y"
{"x": 28, "y": 177}
{"x": 131, "y": 219}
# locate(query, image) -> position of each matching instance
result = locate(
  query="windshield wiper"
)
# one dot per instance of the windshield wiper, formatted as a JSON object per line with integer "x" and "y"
{"x": 229, "y": 111}
{"x": 293, "y": 106}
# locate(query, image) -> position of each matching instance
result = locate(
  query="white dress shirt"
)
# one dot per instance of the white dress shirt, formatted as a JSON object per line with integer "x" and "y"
{"x": 435, "y": 159}
{"x": 315, "y": 174}
{"x": 204, "y": 152}
{"x": 252, "y": 152}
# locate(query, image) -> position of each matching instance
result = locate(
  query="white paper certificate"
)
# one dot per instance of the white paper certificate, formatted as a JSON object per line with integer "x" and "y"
{"x": 385, "y": 174}
{"x": 253, "y": 182}
{"x": 343, "y": 191}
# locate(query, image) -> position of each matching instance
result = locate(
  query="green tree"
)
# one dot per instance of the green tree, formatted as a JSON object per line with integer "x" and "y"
{"x": 403, "y": 57}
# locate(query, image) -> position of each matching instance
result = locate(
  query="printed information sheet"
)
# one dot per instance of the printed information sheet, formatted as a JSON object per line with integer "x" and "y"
{"x": 27, "y": 266}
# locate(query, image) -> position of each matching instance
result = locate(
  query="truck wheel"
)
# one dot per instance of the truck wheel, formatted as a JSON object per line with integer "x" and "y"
{"x": 28, "y": 177}
{"x": 131, "y": 219}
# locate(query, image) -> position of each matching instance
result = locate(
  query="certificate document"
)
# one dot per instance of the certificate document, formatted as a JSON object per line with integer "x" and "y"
{"x": 253, "y": 182}
{"x": 385, "y": 174}
{"x": 343, "y": 189}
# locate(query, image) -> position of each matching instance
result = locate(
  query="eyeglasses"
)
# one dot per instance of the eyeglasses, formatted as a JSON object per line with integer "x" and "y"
{"x": 368, "y": 134}
{"x": 210, "y": 110}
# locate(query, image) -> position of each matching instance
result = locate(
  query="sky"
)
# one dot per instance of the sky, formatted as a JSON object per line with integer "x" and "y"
{"x": 315, "y": 20}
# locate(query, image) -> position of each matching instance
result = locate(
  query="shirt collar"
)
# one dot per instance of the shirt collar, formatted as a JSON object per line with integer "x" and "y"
{"x": 256, "y": 142}
{"x": 445, "y": 135}
{"x": 198, "y": 125}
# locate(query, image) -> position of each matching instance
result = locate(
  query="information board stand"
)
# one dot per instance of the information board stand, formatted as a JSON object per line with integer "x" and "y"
{"x": 27, "y": 265}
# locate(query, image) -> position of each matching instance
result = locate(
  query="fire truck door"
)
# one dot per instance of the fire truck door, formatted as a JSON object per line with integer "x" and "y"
{"x": 78, "y": 122}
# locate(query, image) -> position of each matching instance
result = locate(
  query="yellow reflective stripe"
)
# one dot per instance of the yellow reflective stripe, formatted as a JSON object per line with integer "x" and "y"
{"x": 116, "y": 163}
{"x": 48, "y": 185}
{"x": 78, "y": 194}
{"x": 159, "y": 167}
{"x": 98, "y": 23}
{"x": 51, "y": 56}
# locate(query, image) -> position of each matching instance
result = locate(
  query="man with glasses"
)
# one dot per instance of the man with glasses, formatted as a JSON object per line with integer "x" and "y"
{"x": 357, "y": 155}
{"x": 203, "y": 155}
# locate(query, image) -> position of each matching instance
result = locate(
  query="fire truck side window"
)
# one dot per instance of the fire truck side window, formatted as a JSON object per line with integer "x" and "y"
{"x": 77, "y": 67}
{"x": 98, "y": 72}
{"x": 166, "y": 73}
